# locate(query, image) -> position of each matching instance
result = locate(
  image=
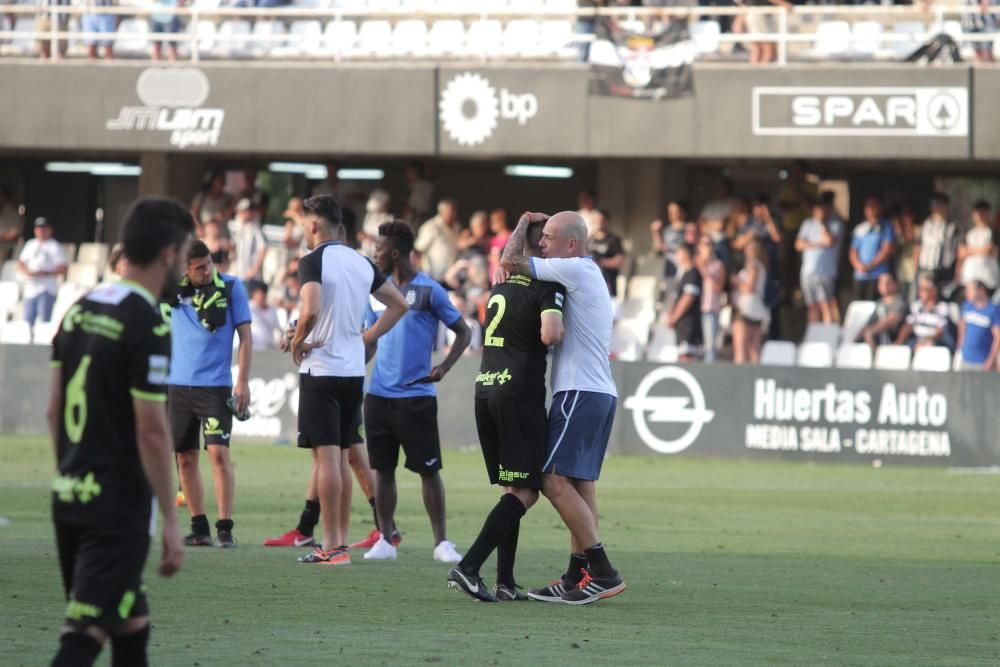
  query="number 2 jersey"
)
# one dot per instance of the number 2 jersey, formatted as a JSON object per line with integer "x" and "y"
{"x": 112, "y": 346}
{"x": 513, "y": 363}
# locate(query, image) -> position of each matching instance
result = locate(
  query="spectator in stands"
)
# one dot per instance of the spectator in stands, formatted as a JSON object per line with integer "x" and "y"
{"x": 936, "y": 247}
{"x": 419, "y": 194}
{"x": 437, "y": 241}
{"x": 501, "y": 230}
{"x": 978, "y": 329}
{"x": 11, "y": 224}
{"x": 890, "y": 313}
{"x": 586, "y": 199}
{"x": 713, "y": 282}
{"x": 819, "y": 242}
{"x": 928, "y": 322}
{"x": 607, "y": 250}
{"x": 750, "y": 315}
{"x": 716, "y": 212}
{"x": 906, "y": 258}
{"x": 220, "y": 244}
{"x": 685, "y": 314}
{"x": 43, "y": 24}
{"x": 100, "y": 23}
{"x": 667, "y": 238}
{"x": 42, "y": 261}
{"x": 977, "y": 254}
{"x": 474, "y": 241}
{"x": 795, "y": 200}
{"x": 289, "y": 298}
{"x": 759, "y": 24}
{"x": 264, "y": 328}
{"x": 983, "y": 18}
{"x": 294, "y": 239}
{"x": 760, "y": 226}
{"x": 212, "y": 203}
{"x": 468, "y": 278}
{"x": 167, "y": 22}
{"x": 116, "y": 262}
{"x": 872, "y": 245}
{"x": 249, "y": 243}
{"x": 376, "y": 214}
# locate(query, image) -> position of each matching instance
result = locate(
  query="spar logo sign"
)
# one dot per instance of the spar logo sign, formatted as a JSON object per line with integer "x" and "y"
{"x": 668, "y": 409}
{"x": 861, "y": 111}
{"x": 470, "y": 108}
{"x": 171, "y": 103}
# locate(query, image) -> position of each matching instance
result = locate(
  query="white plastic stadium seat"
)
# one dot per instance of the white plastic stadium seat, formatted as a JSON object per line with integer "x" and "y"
{"x": 44, "y": 332}
{"x": 854, "y": 355}
{"x": 10, "y": 294}
{"x": 706, "y": 36}
{"x": 914, "y": 31}
{"x": 642, "y": 287}
{"x": 625, "y": 346}
{"x": 268, "y": 29}
{"x": 637, "y": 326}
{"x": 9, "y": 270}
{"x": 374, "y": 38}
{"x": 22, "y": 43}
{"x": 866, "y": 38}
{"x": 15, "y": 333}
{"x": 833, "y": 38}
{"x": 340, "y": 37}
{"x": 936, "y": 359}
{"x": 484, "y": 37}
{"x": 815, "y": 354}
{"x": 409, "y": 38}
{"x": 304, "y": 38}
{"x": 131, "y": 37}
{"x": 236, "y": 31}
{"x": 446, "y": 37}
{"x": 638, "y": 309}
{"x": 81, "y": 274}
{"x": 662, "y": 347}
{"x": 856, "y": 318}
{"x": 893, "y": 357}
{"x": 206, "y": 32}
{"x": 69, "y": 249}
{"x": 521, "y": 38}
{"x": 817, "y": 332}
{"x": 68, "y": 294}
{"x": 777, "y": 353}
{"x": 93, "y": 253}
{"x": 557, "y": 38}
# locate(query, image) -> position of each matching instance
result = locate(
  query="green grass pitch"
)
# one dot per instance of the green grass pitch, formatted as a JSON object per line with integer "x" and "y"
{"x": 727, "y": 563}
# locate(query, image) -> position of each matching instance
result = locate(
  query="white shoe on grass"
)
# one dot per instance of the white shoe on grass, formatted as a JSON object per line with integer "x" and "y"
{"x": 382, "y": 550}
{"x": 446, "y": 553}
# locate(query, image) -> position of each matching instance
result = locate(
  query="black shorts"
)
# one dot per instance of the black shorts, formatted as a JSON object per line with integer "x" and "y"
{"x": 514, "y": 438}
{"x": 329, "y": 410}
{"x": 410, "y": 422}
{"x": 102, "y": 575}
{"x": 194, "y": 409}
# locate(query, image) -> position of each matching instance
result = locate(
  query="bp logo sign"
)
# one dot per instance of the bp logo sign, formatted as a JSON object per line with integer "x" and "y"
{"x": 471, "y": 107}
{"x": 668, "y": 409}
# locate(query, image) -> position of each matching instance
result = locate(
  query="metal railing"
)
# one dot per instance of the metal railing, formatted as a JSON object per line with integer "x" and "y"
{"x": 788, "y": 34}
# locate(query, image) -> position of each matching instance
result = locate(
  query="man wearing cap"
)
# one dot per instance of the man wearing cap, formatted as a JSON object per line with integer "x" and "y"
{"x": 249, "y": 242}
{"x": 42, "y": 261}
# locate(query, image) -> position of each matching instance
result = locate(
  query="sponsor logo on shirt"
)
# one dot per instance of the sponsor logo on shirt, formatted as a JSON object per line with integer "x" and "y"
{"x": 159, "y": 369}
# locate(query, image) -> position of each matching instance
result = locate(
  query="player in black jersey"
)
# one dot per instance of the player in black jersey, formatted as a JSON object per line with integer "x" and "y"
{"x": 524, "y": 318}
{"x": 108, "y": 421}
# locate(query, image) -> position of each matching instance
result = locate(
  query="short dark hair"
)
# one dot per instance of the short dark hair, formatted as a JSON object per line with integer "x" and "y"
{"x": 534, "y": 236}
{"x": 762, "y": 199}
{"x": 681, "y": 204}
{"x": 153, "y": 224}
{"x": 198, "y": 250}
{"x": 827, "y": 197}
{"x": 6, "y": 192}
{"x": 326, "y": 207}
{"x": 255, "y": 286}
{"x": 688, "y": 248}
{"x": 940, "y": 198}
{"x": 981, "y": 205}
{"x": 417, "y": 167}
{"x": 399, "y": 233}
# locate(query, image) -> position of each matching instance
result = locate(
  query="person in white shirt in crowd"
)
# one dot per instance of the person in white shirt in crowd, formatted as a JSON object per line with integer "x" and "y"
{"x": 977, "y": 255}
{"x": 667, "y": 238}
{"x": 376, "y": 214}
{"x": 419, "y": 194}
{"x": 587, "y": 201}
{"x": 437, "y": 241}
{"x": 294, "y": 239}
{"x": 264, "y": 327}
{"x": 936, "y": 246}
{"x": 713, "y": 276}
{"x": 751, "y": 316}
{"x": 819, "y": 242}
{"x": 248, "y": 242}
{"x": 42, "y": 261}
{"x": 11, "y": 224}
{"x": 929, "y": 321}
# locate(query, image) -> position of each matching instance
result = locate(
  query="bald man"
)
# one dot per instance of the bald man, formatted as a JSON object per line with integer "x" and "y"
{"x": 584, "y": 398}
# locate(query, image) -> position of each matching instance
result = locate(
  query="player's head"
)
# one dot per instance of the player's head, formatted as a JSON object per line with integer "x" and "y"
{"x": 322, "y": 221}
{"x": 199, "y": 264}
{"x": 533, "y": 239}
{"x": 393, "y": 245}
{"x": 565, "y": 235}
{"x": 156, "y": 233}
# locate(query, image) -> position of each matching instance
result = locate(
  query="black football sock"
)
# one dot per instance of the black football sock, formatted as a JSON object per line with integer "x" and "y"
{"x": 371, "y": 501}
{"x": 573, "y": 574}
{"x": 309, "y": 518}
{"x": 199, "y": 525}
{"x": 130, "y": 650}
{"x": 224, "y": 524}
{"x": 506, "y": 551}
{"x": 502, "y": 518}
{"x": 600, "y": 566}
{"x": 76, "y": 649}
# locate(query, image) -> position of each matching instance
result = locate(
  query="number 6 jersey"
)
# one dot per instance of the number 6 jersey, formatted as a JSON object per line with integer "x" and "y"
{"x": 111, "y": 347}
{"x": 513, "y": 364}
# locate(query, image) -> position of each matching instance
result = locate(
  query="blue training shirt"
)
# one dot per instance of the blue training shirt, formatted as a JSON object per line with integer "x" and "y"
{"x": 203, "y": 358}
{"x": 979, "y": 323}
{"x": 404, "y": 354}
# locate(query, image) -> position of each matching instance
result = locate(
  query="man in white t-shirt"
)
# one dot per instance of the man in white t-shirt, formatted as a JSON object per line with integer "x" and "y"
{"x": 437, "y": 241}
{"x": 584, "y": 398}
{"x": 42, "y": 261}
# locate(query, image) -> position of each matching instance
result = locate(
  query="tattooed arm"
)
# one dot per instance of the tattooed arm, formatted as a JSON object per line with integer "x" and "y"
{"x": 513, "y": 259}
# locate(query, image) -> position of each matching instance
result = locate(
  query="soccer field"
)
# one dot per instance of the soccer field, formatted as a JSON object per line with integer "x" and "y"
{"x": 727, "y": 563}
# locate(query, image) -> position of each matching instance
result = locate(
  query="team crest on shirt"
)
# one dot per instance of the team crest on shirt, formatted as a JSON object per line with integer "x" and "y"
{"x": 411, "y": 297}
{"x": 159, "y": 369}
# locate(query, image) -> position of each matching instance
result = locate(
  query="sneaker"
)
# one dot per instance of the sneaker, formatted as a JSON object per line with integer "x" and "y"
{"x": 292, "y": 538}
{"x": 198, "y": 540}
{"x": 368, "y": 542}
{"x": 180, "y": 500}
{"x": 381, "y": 550}
{"x": 592, "y": 589}
{"x": 445, "y": 552}
{"x": 328, "y": 557}
{"x": 551, "y": 593}
{"x": 226, "y": 539}
{"x": 471, "y": 585}
{"x": 505, "y": 593}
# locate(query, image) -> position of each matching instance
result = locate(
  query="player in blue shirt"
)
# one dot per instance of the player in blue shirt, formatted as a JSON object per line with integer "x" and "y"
{"x": 979, "y": 329}
{"x": 401, "y": 403}
{"x": 207, "y": 311}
